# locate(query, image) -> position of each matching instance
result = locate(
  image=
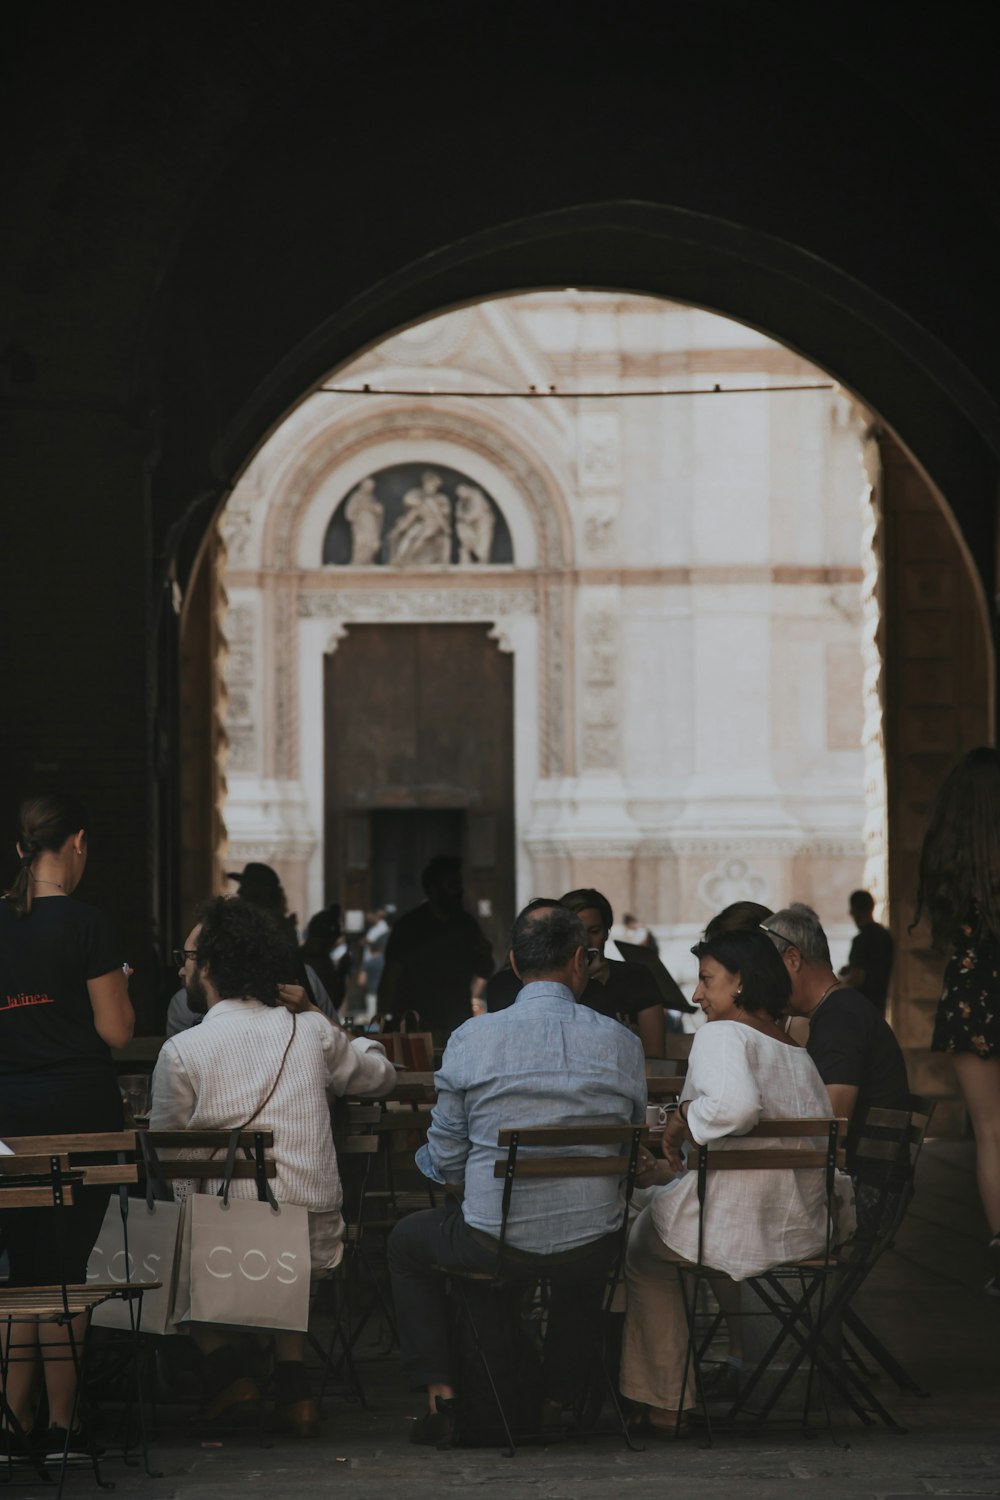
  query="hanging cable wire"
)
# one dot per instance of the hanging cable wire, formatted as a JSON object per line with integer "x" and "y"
{"x": 551, "y": 393}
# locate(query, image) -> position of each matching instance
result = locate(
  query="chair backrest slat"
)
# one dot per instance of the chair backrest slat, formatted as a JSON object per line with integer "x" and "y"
{"x": 723, "y": 1155}
{"x": 196, "y": 1169}
{"x": 74, "y": 1145}
{"x": 358, "y": 1145}
{"x": 18, "y": 1166}
{"x": 566, "y": 1166}
{"x": 569, "y": 1135}
{"x": 768, "y": 1160}
{"x": 104, "y": 1174}
{"x": 873, "y": 1150}
{"x": 363, "y": 1114}
{"x": 772, "y": 1129}
{"x": 33, "y": 1197}
{"x": 211, "y": 1140}
{"x": 109, "y": 1174}
{"x": 895, "y": 1119}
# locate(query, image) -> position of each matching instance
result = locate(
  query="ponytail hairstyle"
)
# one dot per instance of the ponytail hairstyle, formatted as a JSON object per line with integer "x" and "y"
{"x": 45, "y": 825}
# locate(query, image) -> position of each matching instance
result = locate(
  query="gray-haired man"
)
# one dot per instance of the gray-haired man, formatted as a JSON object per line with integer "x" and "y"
{"x": 853, "y": 1047}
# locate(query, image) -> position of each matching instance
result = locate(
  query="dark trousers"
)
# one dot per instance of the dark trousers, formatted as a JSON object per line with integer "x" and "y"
{"x": 440, "y": 1237}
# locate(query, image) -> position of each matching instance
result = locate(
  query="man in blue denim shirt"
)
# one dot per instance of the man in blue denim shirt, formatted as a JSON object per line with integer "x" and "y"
{"x": 545, "y": 1060}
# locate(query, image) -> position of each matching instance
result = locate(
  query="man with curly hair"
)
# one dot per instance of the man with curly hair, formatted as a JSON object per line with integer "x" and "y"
{"x": 217, "y": 1075}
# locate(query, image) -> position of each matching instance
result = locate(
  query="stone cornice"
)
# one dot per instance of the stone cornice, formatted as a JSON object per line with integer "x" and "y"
{"x": 497, "y": 577}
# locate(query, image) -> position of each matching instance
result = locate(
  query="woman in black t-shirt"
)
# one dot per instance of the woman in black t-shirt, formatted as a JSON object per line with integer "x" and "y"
{"x": 63, "y": 1005}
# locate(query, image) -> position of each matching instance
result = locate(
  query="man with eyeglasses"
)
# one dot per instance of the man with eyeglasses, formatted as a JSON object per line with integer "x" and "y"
{"x": 181, "y": 1016}
{"x": 545, "y": 1060}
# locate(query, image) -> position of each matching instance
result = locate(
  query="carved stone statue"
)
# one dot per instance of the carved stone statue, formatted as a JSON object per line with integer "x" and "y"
{"x": 365, "y": 514}
{"x": 474, "y": 524}
{"x": 422, "y": 534}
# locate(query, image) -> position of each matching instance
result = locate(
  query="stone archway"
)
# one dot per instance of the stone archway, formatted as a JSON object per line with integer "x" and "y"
{"x": 311, "y": 617}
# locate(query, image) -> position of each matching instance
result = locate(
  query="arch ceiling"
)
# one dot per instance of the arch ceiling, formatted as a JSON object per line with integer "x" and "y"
{"x": 204, "y": 225}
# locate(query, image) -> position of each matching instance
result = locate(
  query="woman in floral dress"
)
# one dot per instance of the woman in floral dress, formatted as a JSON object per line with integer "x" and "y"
{"x": 960, "y": 890}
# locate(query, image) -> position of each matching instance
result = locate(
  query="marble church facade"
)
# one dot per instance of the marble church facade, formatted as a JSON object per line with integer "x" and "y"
{"x": 687, "y": 586}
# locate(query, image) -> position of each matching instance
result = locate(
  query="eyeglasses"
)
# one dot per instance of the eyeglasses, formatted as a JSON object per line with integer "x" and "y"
{"x": 180, "y": 956}
{"x": 779, "y": 935}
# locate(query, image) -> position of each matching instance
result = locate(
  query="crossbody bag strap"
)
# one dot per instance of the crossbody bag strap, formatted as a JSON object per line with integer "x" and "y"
{"x": 234, "y": 1138}
{"x": 156, "y": 1187}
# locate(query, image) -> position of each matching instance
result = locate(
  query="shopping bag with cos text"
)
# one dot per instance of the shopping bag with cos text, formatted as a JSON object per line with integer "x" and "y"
{"x": 244, "y": 1262}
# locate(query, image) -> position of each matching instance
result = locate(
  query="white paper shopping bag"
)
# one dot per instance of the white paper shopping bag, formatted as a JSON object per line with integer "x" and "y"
{"x": 151, "y": 1230}
{"x": 243, "y": 1263}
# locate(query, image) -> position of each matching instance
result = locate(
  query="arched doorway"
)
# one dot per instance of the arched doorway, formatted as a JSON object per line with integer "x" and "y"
{"x": 613, "y": 551}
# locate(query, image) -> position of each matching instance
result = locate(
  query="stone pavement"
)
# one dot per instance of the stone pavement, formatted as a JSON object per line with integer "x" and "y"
{"x": 926, "y": 1300}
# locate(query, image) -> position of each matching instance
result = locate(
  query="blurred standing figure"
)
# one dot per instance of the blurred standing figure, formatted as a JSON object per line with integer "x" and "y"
{"x": 316, "y": 951}
{"x": 637, "y": 933}
{"x": 63, "y": 1005}
{"x": 869, "y": 963}
{"x": 959, "y": 888}
{"x": 437, "y": 956}
{"x": 373, "y": 960}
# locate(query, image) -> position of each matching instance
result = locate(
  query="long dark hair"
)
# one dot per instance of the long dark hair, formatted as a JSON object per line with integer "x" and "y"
{"x": 960, "y": 857}
{"x": 45, "y": 823}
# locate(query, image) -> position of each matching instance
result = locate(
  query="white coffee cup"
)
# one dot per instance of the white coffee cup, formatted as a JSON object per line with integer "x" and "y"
{"x": 656, "y": 1116}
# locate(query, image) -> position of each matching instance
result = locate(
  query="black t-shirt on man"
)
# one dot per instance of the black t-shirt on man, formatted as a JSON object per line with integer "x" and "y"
{"x": 850, "y": 1043}
{"x": 46, "y": 958}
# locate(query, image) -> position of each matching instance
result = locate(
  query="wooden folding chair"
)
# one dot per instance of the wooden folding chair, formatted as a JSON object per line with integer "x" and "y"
{"x": 793, "y": 1293}
{"x": 356, "y": 1151}
{"x": 612, "y": 1151}
{"x": 375, "y": 1142}
{"x": 43, "y": 1173}
{"x": 889, "y": 1147}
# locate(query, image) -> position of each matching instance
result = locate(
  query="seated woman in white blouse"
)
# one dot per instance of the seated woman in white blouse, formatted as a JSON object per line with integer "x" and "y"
{"x": 742, "y": 1069}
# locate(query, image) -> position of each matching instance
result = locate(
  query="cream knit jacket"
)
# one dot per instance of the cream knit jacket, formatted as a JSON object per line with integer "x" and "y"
{"x": 214, "y": 1076}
